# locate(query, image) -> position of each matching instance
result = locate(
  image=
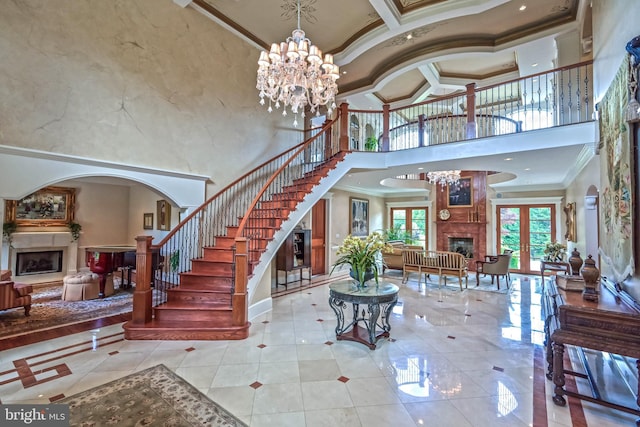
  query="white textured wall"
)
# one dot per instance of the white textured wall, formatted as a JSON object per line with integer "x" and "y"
{"x": 142, "y": 82}
{"x": 615, "y": 22}
{"x": 576, "y": 192}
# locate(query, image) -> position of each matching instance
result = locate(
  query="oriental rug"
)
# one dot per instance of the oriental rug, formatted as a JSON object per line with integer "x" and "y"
{"x": 48, "y": 310}
{"x": 154, "y": 396}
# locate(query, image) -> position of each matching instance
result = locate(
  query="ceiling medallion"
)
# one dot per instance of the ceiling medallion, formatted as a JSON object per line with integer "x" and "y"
{"x": 293, "y": 73}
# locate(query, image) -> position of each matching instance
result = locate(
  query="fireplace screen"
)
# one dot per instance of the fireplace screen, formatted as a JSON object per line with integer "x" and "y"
{"x": 28, "y": 263}
{"x": 461, "y": 245}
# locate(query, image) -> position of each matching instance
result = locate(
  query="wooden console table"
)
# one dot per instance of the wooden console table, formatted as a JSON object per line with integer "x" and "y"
{"x": 374, "y": 296}
{"x": 609, "y": 325}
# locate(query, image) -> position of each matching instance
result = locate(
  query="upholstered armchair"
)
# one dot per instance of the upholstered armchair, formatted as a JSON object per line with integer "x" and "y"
{"x": 14, "y": 295}
{"x": 496, "y": 266}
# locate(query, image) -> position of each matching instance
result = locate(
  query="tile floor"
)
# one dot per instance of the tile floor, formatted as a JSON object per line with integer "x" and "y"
{"x": 470, "y": 358}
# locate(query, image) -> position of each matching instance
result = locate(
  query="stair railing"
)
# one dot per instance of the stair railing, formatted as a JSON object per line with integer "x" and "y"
{"x": 215, "y": 223}
{"x": 296, "y": 174}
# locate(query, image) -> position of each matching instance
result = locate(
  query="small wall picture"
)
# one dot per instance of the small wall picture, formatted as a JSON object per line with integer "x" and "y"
{"x": 359, "y": 217}
{"x": 147, "y": 222}
{"x": 164, "y": 215}
{"x": 460, "y": 193}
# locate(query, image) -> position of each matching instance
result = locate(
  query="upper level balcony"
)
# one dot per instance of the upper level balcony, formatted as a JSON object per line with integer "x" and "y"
{"x": 498, "y": 119}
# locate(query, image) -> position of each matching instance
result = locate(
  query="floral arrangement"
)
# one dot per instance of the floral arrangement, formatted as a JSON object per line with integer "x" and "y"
{"x": 554, "y": 251}
{"x": 361, "y": 254}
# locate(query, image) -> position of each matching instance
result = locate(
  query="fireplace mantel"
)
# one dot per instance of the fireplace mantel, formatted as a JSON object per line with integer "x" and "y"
{"x": 40, "y": 241}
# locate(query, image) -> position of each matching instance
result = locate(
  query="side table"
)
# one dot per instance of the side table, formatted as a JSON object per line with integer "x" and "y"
{"x": 380, "y": 298}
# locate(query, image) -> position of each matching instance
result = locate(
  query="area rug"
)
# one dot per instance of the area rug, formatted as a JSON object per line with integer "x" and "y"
{"x": 48, "y": 310}
{"x": 155, "y": 396}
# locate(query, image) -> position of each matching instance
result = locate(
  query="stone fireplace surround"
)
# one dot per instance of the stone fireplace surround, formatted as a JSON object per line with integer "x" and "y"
{"x": 43, "y": 241}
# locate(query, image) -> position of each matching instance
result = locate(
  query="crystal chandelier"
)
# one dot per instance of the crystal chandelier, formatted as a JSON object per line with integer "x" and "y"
{"x": 294, "y": 74}
{"x": 443, "y": 177}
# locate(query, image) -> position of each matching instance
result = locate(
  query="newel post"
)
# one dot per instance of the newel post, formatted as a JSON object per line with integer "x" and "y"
{"x": 239, "y": 297}
{"x": 142, "y": 294}
{"x": 328, "y": 142}
{"x": 344, "y": 127}
{"x": 471, "y": 111}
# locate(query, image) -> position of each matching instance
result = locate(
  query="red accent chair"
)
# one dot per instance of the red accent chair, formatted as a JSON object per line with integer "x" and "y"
{"x": 14, "y": 295}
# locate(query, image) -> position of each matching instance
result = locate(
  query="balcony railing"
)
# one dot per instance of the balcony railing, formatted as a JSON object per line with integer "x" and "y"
{"x": 555, "y": 98}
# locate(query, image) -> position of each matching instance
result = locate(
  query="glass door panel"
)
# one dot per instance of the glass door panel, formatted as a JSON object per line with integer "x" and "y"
{"x": 510, "y": 238}
{"x": 409, "y": 225}
{"x": 540, "y": 233}
{"x": 525, "y": 230}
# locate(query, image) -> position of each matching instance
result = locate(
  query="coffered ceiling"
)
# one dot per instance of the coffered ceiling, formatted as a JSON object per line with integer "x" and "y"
{"x": 403, "y": 51}
{"x": 399, "y": 52}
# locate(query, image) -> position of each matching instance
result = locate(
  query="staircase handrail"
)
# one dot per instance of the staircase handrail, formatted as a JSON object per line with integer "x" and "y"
{"x": 174, "y": 230}
{"x": 300, "y": 148}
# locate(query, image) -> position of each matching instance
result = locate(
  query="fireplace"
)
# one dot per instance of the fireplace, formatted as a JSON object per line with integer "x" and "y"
{"x": 41, "y": 256}
{"x": 461, "y": 245}
{"x": 38, "y": 262}
{"x": 470, "y": 239}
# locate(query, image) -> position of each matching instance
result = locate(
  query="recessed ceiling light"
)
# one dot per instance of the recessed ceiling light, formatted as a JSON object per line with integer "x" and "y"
{"x": 527, "y": 169}
{"x": 508, "y": 159}
{"x": 344, "y": 71}
{"x": 420, "y": 169}
{"x": 523, "y": 7}
{"x": 409, "y": 36}
{"x": 535, "y": 64}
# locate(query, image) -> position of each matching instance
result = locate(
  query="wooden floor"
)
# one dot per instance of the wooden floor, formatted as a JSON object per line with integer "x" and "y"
{"x": 37, "y": 336}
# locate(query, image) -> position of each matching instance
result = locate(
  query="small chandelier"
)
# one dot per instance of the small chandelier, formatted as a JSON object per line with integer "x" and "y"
{"x": 294, "y": 74}
{"x": 443, "y": 177}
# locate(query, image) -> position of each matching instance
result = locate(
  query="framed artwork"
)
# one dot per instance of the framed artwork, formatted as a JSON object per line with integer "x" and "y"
{"x": 51, "y": 206}
{"x": 147, "y": 222}
{"x": 359, "y": 217}
{"x": 460, "y": 193}
{"x": 164, "y": 215}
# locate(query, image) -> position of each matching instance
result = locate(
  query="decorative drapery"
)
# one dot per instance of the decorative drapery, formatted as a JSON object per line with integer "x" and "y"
{"x": 616, "y": 202}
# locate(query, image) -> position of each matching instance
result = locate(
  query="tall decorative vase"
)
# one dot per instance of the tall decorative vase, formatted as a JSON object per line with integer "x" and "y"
{"x": 590, "y": 274}
{"x": 576, "y": 262}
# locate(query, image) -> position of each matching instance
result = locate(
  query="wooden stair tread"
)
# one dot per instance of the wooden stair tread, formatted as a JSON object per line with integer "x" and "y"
{"x": 202, "y": 291}
{"x": 195, "y": 306}
{"x": 186, "y": 324}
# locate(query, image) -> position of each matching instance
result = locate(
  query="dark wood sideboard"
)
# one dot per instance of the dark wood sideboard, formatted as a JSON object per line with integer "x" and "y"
{"x": 611, "y": 325}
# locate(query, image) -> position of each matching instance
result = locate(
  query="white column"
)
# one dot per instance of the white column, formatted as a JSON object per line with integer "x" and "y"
{"x": 72, "y": 257}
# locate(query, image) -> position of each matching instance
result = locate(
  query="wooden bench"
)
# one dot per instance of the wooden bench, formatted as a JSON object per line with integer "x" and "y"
{"x": 441, "y": 263}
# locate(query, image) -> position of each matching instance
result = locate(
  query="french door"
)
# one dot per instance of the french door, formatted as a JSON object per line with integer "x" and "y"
{"x": 409, "y": 225}
{"x": 525, "y": 229}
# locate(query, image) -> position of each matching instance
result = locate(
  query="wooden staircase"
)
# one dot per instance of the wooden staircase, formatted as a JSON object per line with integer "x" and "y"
{"x": 201, "y": 306}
